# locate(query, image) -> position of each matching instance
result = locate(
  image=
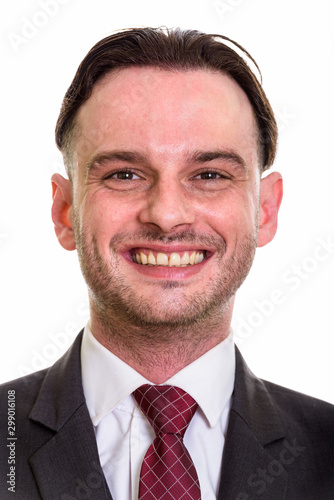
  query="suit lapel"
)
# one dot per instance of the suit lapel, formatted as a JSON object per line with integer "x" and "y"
{"x": 255, "y": 436}
{"x": 67, "y": 466}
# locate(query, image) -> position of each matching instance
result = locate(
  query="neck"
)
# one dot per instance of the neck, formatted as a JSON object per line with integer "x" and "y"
{"x": 159, "y": 352}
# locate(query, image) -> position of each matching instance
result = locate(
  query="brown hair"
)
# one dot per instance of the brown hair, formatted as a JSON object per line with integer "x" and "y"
{"x": 174, "y": 49}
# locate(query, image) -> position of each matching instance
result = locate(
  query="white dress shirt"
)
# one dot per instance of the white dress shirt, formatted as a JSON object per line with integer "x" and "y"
{"x": 123, "y": 433}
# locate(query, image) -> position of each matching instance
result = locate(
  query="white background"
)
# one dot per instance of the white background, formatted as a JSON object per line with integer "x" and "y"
{"x": 43, "y": 297}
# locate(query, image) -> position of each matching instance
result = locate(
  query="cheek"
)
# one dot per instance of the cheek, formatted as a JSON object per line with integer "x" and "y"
{"x": 232, "y": 216}
{"x": 103, "y": 217}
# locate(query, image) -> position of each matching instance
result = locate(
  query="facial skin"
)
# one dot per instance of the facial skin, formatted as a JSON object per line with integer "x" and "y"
{"x": 165, "y": 163}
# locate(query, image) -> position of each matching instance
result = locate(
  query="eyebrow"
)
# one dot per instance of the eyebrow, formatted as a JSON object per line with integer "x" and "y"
{"x": 114, "y": 156}
{"x": 229, "y": 155}
{"x": 200, "y": 157}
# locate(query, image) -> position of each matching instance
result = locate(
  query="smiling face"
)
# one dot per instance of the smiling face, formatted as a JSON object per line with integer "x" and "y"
{"x": 166, "y": 190}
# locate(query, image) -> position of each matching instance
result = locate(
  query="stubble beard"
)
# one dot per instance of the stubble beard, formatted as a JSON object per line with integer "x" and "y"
{"x": 125, "y": 315}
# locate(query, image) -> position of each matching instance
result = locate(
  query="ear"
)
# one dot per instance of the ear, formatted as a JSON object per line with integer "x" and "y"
{"x": 62, "y": 211}
{"x": 271, "y": 193}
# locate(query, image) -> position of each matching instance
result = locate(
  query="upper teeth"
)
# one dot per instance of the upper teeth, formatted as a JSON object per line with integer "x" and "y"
{"x": 175, "y": 259}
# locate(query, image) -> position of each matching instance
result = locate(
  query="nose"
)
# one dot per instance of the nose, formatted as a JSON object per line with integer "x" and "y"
{"x": 167, "y": 206}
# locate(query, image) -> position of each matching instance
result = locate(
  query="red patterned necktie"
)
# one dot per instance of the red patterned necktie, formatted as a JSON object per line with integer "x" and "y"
{"x": 168, "y": 472}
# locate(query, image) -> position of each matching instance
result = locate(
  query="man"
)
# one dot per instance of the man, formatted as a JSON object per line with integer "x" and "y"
{"x": 165, "y": 136}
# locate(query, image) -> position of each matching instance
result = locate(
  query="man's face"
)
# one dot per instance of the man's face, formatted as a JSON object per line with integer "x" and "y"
{"x": 166, "y": 194}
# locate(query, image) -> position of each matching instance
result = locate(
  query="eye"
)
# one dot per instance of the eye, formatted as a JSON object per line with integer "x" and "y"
{"x": 123, "y": 175}
{"x": 210, "y": 176}
{"x": 124, "y": 180}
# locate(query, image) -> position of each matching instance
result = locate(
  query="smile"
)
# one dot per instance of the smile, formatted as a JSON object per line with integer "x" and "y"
{"x": 174, "y": 259}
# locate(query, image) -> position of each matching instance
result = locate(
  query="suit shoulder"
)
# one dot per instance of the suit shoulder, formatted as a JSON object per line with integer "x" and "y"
{"x": 28, "y": 380}
{"x": 289, "y": 395}
{"x": 306, "y": 410}
{"x": 25, "y": 388}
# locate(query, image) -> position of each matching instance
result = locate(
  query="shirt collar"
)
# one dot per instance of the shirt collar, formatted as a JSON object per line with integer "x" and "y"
{"x": 210, "y": 379}
{"x": 107, "y": 380}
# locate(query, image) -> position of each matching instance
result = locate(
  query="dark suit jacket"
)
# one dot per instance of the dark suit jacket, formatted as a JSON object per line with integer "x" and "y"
{"x": 279, "y": 444}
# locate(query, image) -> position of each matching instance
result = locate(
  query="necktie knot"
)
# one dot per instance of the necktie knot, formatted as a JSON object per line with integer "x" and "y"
{"x": 168, "y": 409}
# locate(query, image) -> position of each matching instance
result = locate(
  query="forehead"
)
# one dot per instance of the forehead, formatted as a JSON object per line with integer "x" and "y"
{"x": 166, "y": 112}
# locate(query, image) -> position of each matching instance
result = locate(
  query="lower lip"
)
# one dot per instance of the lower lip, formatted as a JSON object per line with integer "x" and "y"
{"x": 168, "y": 272}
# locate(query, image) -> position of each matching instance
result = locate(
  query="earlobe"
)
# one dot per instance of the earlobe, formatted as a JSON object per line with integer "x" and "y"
{"x": 62, "y": 200}
{"x": 270, "y": 200}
